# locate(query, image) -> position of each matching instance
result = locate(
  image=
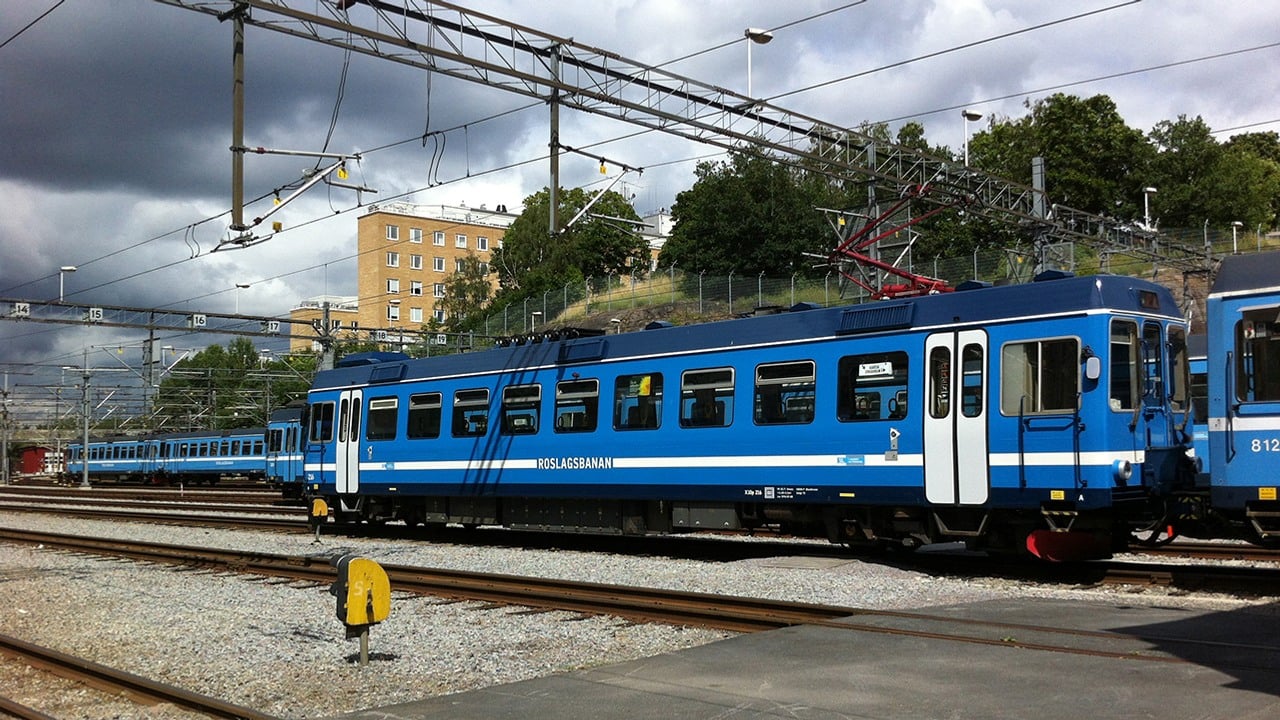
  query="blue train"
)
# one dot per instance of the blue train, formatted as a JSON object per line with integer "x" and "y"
{"x": 284, "y": 450}
{"x": 188, "y": 458}
{"x": 1243, "y": 399}
{"x": 1048, "y": 416}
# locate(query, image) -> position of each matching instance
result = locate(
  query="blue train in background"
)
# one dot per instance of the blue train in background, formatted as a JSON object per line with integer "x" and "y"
{"x": 285, "y": 441}
{"x": 187, "y": 458}
{"x": 1048, "y": 416}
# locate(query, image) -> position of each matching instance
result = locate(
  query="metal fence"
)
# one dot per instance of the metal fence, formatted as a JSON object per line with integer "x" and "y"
{"x": 690, "y": 294}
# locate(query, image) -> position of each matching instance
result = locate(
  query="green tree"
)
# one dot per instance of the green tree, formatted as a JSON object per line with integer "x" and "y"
{"x": 466, "y": 292}
{"x": 532, "y": 261}
{"x": 1093, "y": 160}
{"x": 229, "y": 387}
{"x": 749, "y": 215}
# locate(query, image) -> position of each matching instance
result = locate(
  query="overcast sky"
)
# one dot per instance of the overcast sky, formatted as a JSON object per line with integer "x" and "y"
{"x": 117, "y": 121}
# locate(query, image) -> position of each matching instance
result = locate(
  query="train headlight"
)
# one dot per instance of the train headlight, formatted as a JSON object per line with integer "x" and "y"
{"x": 1122, "y": 469}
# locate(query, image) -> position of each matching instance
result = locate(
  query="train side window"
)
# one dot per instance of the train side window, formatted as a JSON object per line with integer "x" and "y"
{"x": 275, "y": 440}
{"x": 1179, "y": 372}
{"x": 1258, "y": 355}
{"x": 637, "y": 403}
{"x": 785, "y": 393}
{"x": 1041, "y": 376}
{"x": 1153, "y": 361}
{"x": 322, "y": 422}
{"x": 577, "y": 405}
{"x": 470, "y": 412}
{"x": 424, "y": 415}
{"x": 383, "y": 414}
{"x": 1123, "y": 395}
{"x": 706, "y": 398}
{"x": 872, "y": 387}
{"x": 521, "y": 405}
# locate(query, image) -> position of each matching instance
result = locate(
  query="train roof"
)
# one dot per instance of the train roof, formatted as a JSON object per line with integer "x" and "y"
{"x": 1245, "y": 274}
{"x": 1054, "y": 294}
{"x": 289, "y": 413}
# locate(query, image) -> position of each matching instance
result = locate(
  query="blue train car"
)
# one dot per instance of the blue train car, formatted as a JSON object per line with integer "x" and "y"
{"x": 1243, "y": 314}
{"x": 115, "y": 459}
{"x": 202, "y": 457}
{"x": 1043, "y": 416}
{"x": 284, "y": 451}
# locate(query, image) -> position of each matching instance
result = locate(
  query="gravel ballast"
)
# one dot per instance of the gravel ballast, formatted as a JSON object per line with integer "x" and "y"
{"x": 278, "y": 647}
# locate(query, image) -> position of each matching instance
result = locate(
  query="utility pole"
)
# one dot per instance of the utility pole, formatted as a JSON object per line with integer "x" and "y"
{"x": 4, "y": 432}
{"x": 84, "y": 409}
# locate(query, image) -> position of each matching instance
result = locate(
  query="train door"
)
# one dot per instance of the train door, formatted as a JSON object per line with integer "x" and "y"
{"x": 347, "y": 449}
{"x": 956, "y": 469}
{"x": 1155, "y": 391}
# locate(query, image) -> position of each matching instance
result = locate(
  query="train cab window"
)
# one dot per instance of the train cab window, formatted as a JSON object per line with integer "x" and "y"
{"x": 1258, "y": 355}
{"x": 785, "y": 393}
{"x": 577, "y": 405}
{"x": 322, "y": 422}
{"x": 521, "y": 409}
{"x": 1123, "y": 395}
{"x": 706, "y": 398}
{"x": 637, "y": 402}
{"x": 424, "y": 415}
{"x": 872, "y": 387}
{"x": 383, "y": 414}
{"x": 1153, "y": 361}
{"x": 275, "y": 440}
{"x": 470, "y": 413}
{"x": 1041, "y": 376}
{"x": 1179, "y": 369}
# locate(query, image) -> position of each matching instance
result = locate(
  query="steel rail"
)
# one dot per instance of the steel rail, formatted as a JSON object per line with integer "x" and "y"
{"x": 738, "y": 614}
{"x": 131, "y": 686}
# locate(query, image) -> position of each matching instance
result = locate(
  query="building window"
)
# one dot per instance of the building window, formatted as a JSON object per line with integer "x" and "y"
{"x": 415, "y": 315}
{"x": 460, "y": 241}
{"x": 438, "y": 238}
{"x": 393, "y": 232}
{"x": 459, "y": 265}
{"x": 415, "y": 262}
{"x": 415, "y": 235}
{"x": 393, "y": 259}
{"x": 415, "y": 287}
{"x": 482, "y": 243}
{"x": 393, "y": 312}
{"x": 335, "y": 324}
{"x": 437, "y": 264}
{"x": 393, "y": 286}
{"x": 484, "y": 268}
{"x": 438, "y": 290}
{"x": 438, "y": 315}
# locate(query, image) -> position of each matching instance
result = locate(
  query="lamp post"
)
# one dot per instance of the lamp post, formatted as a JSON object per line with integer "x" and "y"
{"x": 239, "y": 287}
{"x": 1235, "y": 227}
{"x": 62, "y": 271}
{"x": 969, "y": 116}
{"x": 754, "y": 36}
{"x": 1147, "y": 192}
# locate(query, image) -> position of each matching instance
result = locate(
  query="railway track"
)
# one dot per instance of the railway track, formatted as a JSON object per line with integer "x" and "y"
{"x": 115, "y": 682}
{"x": 732, "y": 613}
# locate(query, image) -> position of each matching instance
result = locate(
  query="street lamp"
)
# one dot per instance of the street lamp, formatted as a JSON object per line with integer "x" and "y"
{"x": 754, "y": 36}
{"x": 969, "y": 116}
{"x": 1235, "y": 226}
{"x": 239, "y": 287}
{"x": 62, "y": 271}
{"x": 1147, "y": 192}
